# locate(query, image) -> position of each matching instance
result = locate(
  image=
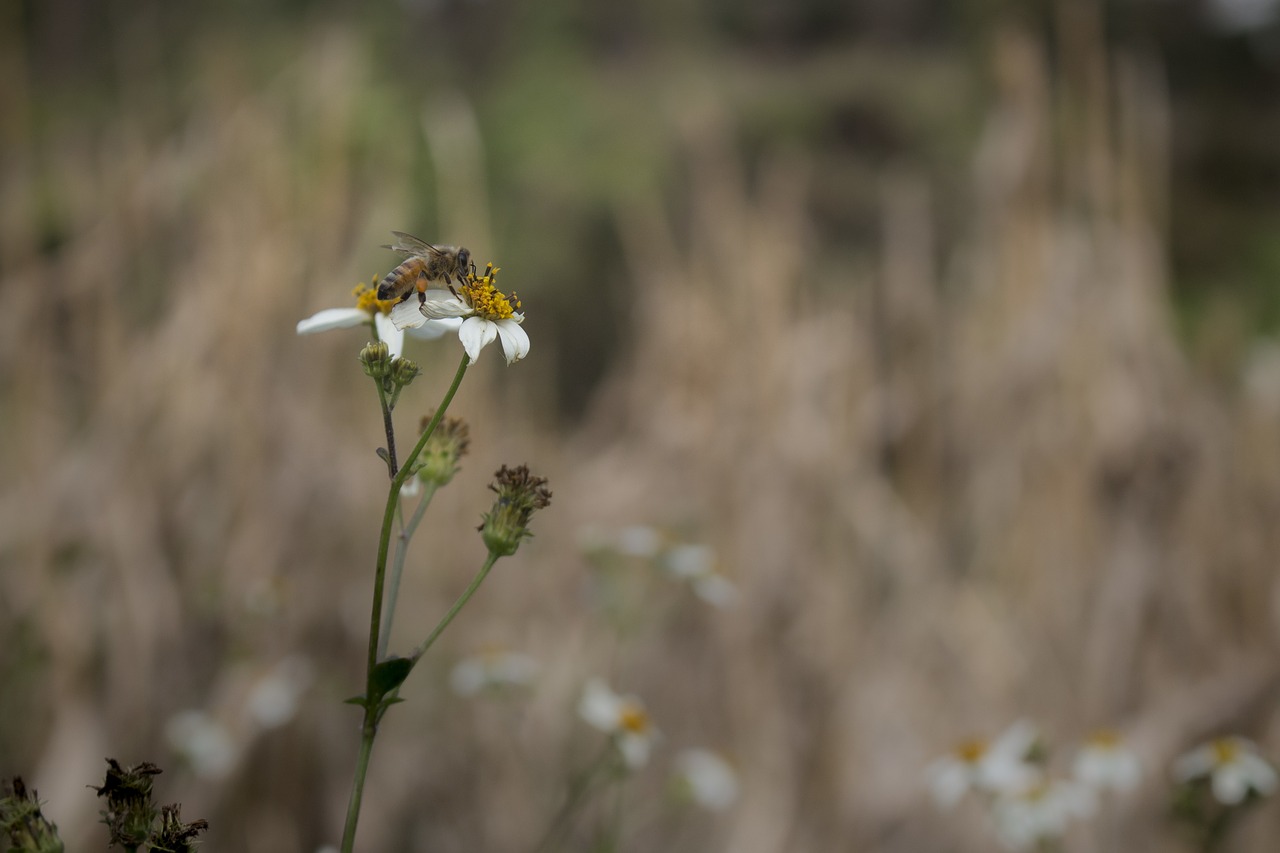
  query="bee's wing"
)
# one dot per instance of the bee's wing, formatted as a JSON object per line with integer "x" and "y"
{"x": 408, "y": 244}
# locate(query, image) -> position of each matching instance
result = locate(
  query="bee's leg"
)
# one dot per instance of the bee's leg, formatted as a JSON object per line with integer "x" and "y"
{"x": 422, "y": 290}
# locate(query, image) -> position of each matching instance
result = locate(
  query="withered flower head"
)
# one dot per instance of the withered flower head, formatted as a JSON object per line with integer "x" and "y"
{"x": 438, "y": 461}
{"x": 22, "y": 825}
{"x": 519, "y": 494}
{"x": 129, "y": 814}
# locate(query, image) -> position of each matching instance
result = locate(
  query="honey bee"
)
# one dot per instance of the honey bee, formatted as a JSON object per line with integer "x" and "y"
{"x": 426, "y": 264}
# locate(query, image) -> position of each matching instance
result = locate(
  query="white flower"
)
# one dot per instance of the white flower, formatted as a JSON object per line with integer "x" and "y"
{"x": 485, "y": 313}
{"x": 369, "y": 309}
{"x": 995, "y": 767}
{"x": 492, "y": 668}
{"x": 707, "y": 779}
{"x": 689, "y": 561}
{"x": 1234, "y": 768}
{"x": 639, "y": 540}
{"x": 1040, "y": 812}
{"x": 622, "y": 717}
{"x": 273, "y": 701}
{"x": 203, "y": 741}
{"x": 715, "y": 589}
{"x": 1105, "y": 762}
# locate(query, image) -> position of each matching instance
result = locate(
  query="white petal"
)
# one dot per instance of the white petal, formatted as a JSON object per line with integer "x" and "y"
{"x": 515, "y": 340}
{"x": 690, "y": 561}
{"x": 711, "y": 781}
{"x": 1194, "y": 764}
{"x": 716, "y": 590}
{"x": 406, "y": 315}
{"x": 635, "y": 749}
{"x": 388, "y": 333}
{"x": 949, "y": 780}
{"x": 468, "y": 677}
{"x": 476, "y": 333}
{"x": 1261, "y": 775}
{"x": 432, "y": 329}
{"x": 1230, "y": 784}
{"x": 332, "y": 318}
{"x": 600, "y": 706}
{"x": 441, "y": 304}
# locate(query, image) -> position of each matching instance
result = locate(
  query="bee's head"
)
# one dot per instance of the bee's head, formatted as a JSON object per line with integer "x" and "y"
{"x": 464, "y": 261}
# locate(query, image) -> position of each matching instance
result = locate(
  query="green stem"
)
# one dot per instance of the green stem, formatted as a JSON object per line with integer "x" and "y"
{"x": 577, "y": 796}
{"x": 397, "y": 563}
{"x": 370, "y": 728}
{"x": 390, "y": 429}
{"x": 457, "y": 606}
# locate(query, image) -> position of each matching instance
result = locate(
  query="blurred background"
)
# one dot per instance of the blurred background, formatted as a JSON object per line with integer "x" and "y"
{"x": 945, "y": 327}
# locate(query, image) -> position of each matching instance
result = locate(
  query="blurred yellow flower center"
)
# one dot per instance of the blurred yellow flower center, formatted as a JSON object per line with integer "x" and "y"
{"x": 367, "y": 300}
{"x": 1104, "y": 739}
{"x": 486, "y": 300}
{"x": 1225, "y": 751}
{"x": 633, "y": 719}
{"x": 971, "y": 750}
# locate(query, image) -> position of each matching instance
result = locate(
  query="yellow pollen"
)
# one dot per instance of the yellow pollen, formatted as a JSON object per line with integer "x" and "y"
{"x": 971, "y": 750}
{"x": 485, "y": 298}
{"x": 1225, "y": 751}
{"x": 367, "y": 300}
{"x": 633, "y": 719}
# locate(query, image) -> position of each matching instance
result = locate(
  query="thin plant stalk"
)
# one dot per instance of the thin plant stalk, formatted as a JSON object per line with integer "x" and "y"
{"x": 369, "y": 728}
{"x": 397, "y": 563}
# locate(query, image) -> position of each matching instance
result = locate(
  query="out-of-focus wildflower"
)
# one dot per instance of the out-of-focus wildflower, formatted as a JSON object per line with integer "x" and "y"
{"x": 1040, "y": 812}
{"x": 639, "y": 540}
{"x": 998, "y": 766}
{"x": 485, "y": 312}
{"x": 205, "y": 743}
{"x": 1233, "y": 767}
{"x": 273, "y": 701}
{"x": 369, "y": 309}
{"x": 493, "y": 668}
{"x": 697, "y": 565}
{"x": 520, "y": 494}
{"x": 706, "y": 779}
{"x": 1105, "y": 762}
{"x": 622, "y": 717}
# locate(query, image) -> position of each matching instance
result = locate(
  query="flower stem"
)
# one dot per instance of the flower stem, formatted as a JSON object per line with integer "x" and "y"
{"x": 397, "y": 563}
{"x": 390, "y": 429}
{"x": 457, "y": 606}
{"x": 369, "y": 729}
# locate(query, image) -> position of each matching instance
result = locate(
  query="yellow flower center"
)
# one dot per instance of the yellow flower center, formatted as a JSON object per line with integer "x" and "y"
{"x": 1225, "y": 751}
{"x": 482, "y": 294}
{"x": 971, "y": 750}
{"x": 1105, "y": 739}
{"x": 367, "y": 300}
{"x": 633, "y": 719}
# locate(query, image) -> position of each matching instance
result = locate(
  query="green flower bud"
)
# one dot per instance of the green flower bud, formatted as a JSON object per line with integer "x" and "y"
{"x": 376, "y": 358}
{"x": 403, "y": 371}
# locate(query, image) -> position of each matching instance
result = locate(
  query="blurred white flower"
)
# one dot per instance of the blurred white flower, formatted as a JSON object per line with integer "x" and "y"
{"x": 707, "y": 779}
{"x": 716, "y": 590}
{"x": 994, "y": 767}
{"x": 622, "y": 717}
{"x": 369, "y": 309}
{"x": 639, "y": 540}
{"x": 1236, "y": 16}
{"x": 689, "y": 561}
{"x": 1233, "y": 766}
{"x": 204, "y": 742}
{"x": 492, "y": 668}
{"x": 1105, "y": 762}
{"x": 1040, "y": 812}
{"x": 273, "y": 701}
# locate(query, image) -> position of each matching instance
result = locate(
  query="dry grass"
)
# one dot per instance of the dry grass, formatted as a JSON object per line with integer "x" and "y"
{"x": 964, "y": 486}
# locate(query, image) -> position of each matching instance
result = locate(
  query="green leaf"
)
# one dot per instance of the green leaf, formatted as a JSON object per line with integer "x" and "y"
{"x": 355, "y": 700}
{"x": 390, "y": 674}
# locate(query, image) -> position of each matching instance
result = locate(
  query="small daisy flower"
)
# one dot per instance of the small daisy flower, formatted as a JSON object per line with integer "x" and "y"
{"x": 639, "y": 540}
{"x": 485, "y": 314}
{"x": 1040, "y": 812}
{"x": 1233, "y": 766}
{"x": 1105, "y": 762}
{"x": 990, "y": 766}
{"x": 706, "y": 779}
{"x": 622, "y": 717}
{"x": 492, "y": 668}
{"x": 370, "y": 309}
{"x": 205, "y": 743}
